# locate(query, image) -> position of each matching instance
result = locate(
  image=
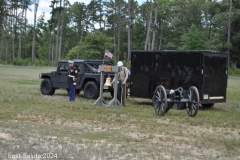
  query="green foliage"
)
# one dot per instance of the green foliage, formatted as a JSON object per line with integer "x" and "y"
{"x": 235, "y": 32}
{"x": 40, "y": 62}
{"x": 230, "y": 71}
{"x": 93, "y": 47}
{"x": 138, "y": 35}
{"x": 182, "y": 15}
{"x": 73, "y": 53}
{"x": 20, "y": 62}
{"x": 174, "y": 29}
{"x": 193, "y": 39}
{"x": 26, "y": 62}
{"x": 233, "y": 71}
{"x": 2, "y": 62}
{"x": 235, "y": 48}
{"x": 127, "y": 64}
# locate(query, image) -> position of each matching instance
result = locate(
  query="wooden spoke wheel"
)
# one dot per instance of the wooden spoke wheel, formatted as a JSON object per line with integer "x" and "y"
{"x": 160, "y": 100}
{"x": 193, "y": 105}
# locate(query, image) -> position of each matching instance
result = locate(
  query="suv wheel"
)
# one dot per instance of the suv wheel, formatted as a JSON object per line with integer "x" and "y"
{"x": 91, "y": 90}
{"x": 46, "y": 87}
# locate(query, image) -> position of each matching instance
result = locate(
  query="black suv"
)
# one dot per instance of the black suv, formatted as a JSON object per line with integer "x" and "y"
{"x": 88, "y": 78}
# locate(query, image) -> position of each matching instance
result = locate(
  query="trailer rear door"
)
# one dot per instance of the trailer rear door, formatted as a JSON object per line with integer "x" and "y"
{"x": 214, "y": 78}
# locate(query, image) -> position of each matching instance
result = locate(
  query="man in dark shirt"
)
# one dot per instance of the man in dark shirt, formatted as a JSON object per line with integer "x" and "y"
{"x": 72, "y": 79}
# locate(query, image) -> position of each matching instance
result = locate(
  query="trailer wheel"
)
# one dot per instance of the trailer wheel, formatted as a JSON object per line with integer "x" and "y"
{"x": 160, "y": 100}
{"x": 193, "y": 105}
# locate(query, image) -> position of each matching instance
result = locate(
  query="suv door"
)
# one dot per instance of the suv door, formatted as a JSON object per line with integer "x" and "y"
{"x": 62, "y": 75}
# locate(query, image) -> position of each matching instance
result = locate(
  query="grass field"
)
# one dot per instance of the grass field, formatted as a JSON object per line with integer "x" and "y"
{"x": 36, "y": 126}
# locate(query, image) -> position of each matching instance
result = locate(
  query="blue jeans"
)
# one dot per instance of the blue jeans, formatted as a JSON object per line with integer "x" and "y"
{"x": 71, "y": 92}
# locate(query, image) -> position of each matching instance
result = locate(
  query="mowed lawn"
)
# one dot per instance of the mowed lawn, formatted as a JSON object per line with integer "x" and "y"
{"x": 35, "y": 126}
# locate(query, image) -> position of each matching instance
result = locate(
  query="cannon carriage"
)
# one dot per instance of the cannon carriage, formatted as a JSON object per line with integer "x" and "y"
{"x": 179, "y": 79}
{"x": 164, "y": 100}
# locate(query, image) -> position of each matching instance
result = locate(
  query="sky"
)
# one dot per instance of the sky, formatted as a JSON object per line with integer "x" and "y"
{"x": 43, "y": 6}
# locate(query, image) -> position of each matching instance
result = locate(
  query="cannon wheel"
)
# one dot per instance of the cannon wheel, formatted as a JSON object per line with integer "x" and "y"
{"x": 160, "y": 100}
{"x": 192, "y": 106}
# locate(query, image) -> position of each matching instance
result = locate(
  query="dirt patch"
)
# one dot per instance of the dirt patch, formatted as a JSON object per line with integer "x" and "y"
{"x": 87, "y": 140}
{"x": 5, "y": 136}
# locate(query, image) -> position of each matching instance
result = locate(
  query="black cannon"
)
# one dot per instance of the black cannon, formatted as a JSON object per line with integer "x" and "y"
{"x": 179, "y": 79}
{"x": 163, "y": 100}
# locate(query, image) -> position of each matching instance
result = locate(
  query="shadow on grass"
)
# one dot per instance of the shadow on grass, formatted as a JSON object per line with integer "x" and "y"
{"x": 61, "y": 94}
{"x": 206, "y": 108}
{"x": 144, "y": 103}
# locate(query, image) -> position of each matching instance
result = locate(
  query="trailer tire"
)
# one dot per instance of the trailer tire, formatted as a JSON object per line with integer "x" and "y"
{"x": 91, "y": 90}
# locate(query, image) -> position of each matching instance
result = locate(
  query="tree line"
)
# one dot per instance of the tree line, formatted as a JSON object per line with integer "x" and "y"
{"x": 84, "y": 31}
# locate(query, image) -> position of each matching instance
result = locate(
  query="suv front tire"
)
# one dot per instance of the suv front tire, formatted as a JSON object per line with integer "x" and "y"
{"x": 46, "y": 87}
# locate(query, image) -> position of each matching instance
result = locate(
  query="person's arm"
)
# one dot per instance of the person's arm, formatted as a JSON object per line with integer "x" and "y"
{"x": 113, "y": 80}
{"x": 126, "y": 75}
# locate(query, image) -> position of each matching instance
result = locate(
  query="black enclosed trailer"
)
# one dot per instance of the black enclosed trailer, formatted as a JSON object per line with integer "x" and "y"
{"x": 171, "y": 69}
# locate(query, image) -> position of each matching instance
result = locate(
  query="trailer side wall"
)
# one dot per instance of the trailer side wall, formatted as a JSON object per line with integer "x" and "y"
{"x": 205, "y": 70}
